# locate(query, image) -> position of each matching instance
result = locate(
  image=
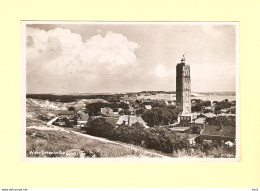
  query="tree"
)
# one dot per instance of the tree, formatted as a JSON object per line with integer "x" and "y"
{"x": 159, "y": 116}
{"x": 71, "y": 109}
{"x": 99, "y": 127}
{"x": 195, "y": 130}
{"x": 93, "y": 108}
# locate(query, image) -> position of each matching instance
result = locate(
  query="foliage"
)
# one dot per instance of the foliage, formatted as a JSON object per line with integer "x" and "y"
{"x": 56, "y": 141}
{"x": 195, "y": 130}
{"x": 140, "y": 111}
{"x": 222, "y": 120}
{"x": 198, "y": 107}
{"x": 99, "y": 127}
{"x": 160, "y": 116}
{"x": 222, "y": 105}
{"x": 93, "y": 108}
{"x": 158, "y": 138}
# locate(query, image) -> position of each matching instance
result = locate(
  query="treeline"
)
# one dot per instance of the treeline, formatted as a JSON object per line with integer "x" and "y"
{"x": 222, "y": 120}
{"x": 71, "y": 98}
{"x": 222, "y": 105}
{"x": 158, "y": 138}
{"x": 198, "y": 107}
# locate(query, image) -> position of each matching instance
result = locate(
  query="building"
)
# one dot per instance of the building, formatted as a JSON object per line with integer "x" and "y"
{"x": 107, "y": 111}
{"x": 183, "y": 86}
{"x": 148, "y": 107}
{"x": 67, "y": 114}
{"x": 129, "y": 120}
{"x": 82, "y": 118}
{"x": 220, "y": 134}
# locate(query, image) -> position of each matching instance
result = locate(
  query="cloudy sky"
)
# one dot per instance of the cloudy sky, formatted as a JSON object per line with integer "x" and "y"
{"x": 116, "y": 57}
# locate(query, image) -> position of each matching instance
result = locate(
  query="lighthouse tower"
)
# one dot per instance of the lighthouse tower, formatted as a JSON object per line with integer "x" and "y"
{"x": 183, "y": 87}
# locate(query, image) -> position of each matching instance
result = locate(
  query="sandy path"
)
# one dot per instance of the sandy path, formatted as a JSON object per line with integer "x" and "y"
{"x": 55, "y": 128}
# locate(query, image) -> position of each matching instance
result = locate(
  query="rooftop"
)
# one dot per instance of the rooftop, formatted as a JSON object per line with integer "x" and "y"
{"x": 227, "y": 131}
{"x": 182, "y": 129}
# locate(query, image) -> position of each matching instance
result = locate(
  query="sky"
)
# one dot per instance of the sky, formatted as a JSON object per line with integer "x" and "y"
{"x": 128, "y": 57}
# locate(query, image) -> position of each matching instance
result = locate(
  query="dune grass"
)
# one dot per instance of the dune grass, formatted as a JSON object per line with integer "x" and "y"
{"x": 48, "y": 143}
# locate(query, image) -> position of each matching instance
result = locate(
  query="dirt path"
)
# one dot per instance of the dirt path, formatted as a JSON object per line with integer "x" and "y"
{"x": 55, "y": 128}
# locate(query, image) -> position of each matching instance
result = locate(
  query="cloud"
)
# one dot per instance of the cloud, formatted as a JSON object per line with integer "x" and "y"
{"x": 61, "y": 55}
{"x": 162, "y": 72}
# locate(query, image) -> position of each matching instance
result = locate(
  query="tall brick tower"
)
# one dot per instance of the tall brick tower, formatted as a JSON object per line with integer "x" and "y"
{"x": 183, "y": 86}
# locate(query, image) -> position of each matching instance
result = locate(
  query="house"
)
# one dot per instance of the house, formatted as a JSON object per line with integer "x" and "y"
{"x": 229, "y": 144}
{"x": 220, "y": 134}
{"x": 225, "y": 110}
{"x": 149, "y": 107}
{"x": 192, "y": 138}
{"x": 233, "y": 109}
{"x": 166, "y": 103}
{"x": 112, "y": 120}
{"x": 107, "y": 111}
{"x": 186, "y": 119}
{"x": 129, "y": 120}
{"x": 83, "y": 118}
{"x": 200, "y": 120}
{"x": 67, "y": 114}
{"x": 136, "y": 105}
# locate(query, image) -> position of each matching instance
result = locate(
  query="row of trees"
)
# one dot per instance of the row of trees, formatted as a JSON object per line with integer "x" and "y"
{"x": 157, "y": 138}
{"x": 198, "y": 107}
{"x": 222, "y": 120}
{"x": 222, "y": 105}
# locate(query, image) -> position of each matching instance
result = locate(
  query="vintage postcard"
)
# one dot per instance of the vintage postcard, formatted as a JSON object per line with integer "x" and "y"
{"x": 161, "y": 91}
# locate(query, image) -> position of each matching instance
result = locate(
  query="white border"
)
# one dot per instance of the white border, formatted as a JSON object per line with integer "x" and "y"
{"x": 23, "y": 96}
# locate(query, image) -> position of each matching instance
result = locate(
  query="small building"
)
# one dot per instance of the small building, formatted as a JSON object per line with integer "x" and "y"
{"x": 192, "y": 138}
{"x": 220, "y": 134}
{"x": 83, "y": 119}
{"x": 107, "y": 111}
{"x": 200, "y": 120}
{"x": 225, "y": 110}
{"x": 132, "y": 110}
{"x": 149, "y": 107}
{"x": 66, "y": 114}
{"x": 136, "y": 105}
{"x": 185, "y": 120}
{"x": 129, "y": 120}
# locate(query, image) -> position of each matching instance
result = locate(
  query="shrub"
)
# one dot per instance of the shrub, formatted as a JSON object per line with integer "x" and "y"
{"x": 99, "y": 127}
{"x": 222, "y": 120}
{"x": 160, "y": 116}
{"x": 158, "y": 138}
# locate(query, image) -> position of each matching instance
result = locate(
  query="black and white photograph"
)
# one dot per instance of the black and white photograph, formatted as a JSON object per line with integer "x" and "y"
{"x": 130, "y": 90}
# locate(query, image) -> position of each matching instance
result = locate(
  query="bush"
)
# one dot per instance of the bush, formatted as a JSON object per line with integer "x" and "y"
{"x": 158, "y": 138}
{"x": 93, "y": 108}
{"x": 99, "y": 127}
{"x": 160, "y": 116}
{"x": 222, "y": 120}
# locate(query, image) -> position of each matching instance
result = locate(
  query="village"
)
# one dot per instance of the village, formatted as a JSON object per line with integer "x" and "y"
{"x": 194, "y": 120}
{"x": 197, "y": 126}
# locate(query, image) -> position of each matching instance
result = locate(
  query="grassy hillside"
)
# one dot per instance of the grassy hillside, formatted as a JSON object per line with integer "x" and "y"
{"x": 49, "y": 143}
